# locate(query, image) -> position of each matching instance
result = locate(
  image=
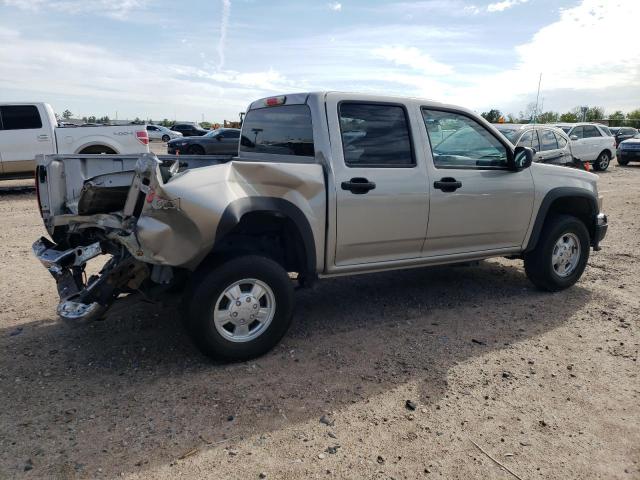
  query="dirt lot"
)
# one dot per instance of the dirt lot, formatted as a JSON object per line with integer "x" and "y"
{"x": 547, "y": 384}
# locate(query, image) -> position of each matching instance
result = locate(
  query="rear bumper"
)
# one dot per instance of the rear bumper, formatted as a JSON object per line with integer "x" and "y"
{"x": 600, "y": 230}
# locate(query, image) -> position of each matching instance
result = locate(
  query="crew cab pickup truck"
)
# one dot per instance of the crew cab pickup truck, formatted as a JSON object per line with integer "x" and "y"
{"x": 30, "y": 129}
{"x": 324, "y": 184}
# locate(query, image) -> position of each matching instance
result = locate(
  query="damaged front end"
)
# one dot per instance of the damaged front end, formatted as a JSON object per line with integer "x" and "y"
{"x": 87, "y": 233}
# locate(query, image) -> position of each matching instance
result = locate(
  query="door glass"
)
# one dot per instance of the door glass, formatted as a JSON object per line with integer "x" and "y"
{"x": 20, "y": 117}
{"x": 530, "y": 139}
{"x": 547, "y": 140}
{"x": 590, "y": 131}
{"x": 462, "y": 142}
{"x": 375, "y": 135}
{"x": 561, "y": 140}
{"x": 578, "y": 132}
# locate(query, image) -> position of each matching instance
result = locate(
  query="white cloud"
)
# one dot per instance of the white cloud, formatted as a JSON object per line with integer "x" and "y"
{"x": 335, "y": 6}
{"x": 504, "y": 5}
{"x": 117, "y": 9}
{"x": 224, "y": 23}
{"x": 413, "y": 58}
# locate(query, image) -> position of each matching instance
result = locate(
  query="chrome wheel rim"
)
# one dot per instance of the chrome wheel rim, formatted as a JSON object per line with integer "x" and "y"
{"x": 604, "y": 161}
{"x": 565, "y": 255}
{"x": 244, "y": 310}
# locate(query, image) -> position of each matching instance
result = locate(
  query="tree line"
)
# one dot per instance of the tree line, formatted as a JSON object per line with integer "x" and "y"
{"x": 137, "y": 121}
{"x": 577, "y": 114}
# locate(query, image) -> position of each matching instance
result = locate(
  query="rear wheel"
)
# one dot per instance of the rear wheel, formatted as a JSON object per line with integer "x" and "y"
{"x": 240, "y": 309}
{"x": 602, "y": 162}
{"x": 196, "y": 150}
{"x": 561, "y": 254}
{"x": 165, "y": 138}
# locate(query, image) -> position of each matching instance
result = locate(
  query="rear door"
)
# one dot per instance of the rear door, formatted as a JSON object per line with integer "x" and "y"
{"x": 25, "y": 133}
{"x": 530, "y": 139}
{"x": 550, "y": 151}
{"x": 381, "y": 193}
{"x": 477, "y": 203}
{"x": 596, "y": 141}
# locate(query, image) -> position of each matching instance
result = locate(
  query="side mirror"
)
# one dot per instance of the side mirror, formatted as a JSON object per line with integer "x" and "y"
{"x": 573, "y": 137}
{"x": 522, "y": 158}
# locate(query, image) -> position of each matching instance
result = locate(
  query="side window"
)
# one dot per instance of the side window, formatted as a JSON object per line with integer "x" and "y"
{"x": 231, "y": 134}
{"x": 561, "y": 140}
{"x": 578, "y": 132}
{"x": 20, "y": 117}
{"x": 375, "y": 135}
{"x": 462, "y": 142}
{"x": 530, "y": 139}
{"x": 547, "y": 140}
{"x": 590, "y": 131}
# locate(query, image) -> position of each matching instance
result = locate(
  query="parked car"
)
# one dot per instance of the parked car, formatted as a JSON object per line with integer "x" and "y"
{"x": 551, "y": 144}
{"x": 623, "y": 133}
{"x": 223, "y": 141}
{"x": 591, "y": 142}
{"x": 30, "y": 129}
{"x": 297, "y": 205}
{"x": 189, "y": 129}
{"x": 629, "y": 150}
{"x": 160, "y": 133}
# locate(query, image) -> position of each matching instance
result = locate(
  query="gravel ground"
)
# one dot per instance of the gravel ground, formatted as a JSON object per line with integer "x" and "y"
{"x": 546, "y": 384}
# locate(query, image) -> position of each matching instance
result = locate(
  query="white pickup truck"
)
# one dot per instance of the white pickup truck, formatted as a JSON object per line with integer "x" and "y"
{"x": 30, "y": 129}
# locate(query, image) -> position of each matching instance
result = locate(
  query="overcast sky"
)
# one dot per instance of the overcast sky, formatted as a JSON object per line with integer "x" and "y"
{"x": 186, "y": 60}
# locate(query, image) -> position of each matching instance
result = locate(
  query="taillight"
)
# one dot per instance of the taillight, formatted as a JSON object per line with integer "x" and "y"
{"x": 37, "y": 175}
{"x": 143, "y": 137}
{"x": 273, "y": 101}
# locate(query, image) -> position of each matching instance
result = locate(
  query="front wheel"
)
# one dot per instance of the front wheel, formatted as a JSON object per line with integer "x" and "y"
{"x": 622, "y": 162}
{"x": 561, "y": 255}
{"x": 165, "y": 138}
{"x": 602, "y": 162}
{"x": 240, "y": 309}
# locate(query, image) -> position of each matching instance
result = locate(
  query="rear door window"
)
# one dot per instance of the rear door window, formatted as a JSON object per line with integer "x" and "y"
{"x": 578, "y": 132}
{"x": 561, "y": 140}
{"x": 281, "y": 130}
{"x": 20, "y": 117}
{"x": 547, "y": 140}
{"x": 375, "y": 135}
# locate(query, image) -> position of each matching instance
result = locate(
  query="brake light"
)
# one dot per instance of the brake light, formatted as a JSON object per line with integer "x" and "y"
{"x": 143, "y": 137}
{"x": 273, "y": 101}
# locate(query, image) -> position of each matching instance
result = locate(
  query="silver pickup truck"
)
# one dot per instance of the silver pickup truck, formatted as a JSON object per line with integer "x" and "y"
{"x": 324, "y": 184}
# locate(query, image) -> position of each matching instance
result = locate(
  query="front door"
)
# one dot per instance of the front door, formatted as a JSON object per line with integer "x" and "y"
{"x": 580, "y": 145}
{"x": 381, "y": 187}
{"x": 477, "y": 203}
{"x": 23, "y": 136}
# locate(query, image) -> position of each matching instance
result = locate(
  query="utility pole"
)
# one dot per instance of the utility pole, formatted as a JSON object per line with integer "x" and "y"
{"x": 535, "y": 112}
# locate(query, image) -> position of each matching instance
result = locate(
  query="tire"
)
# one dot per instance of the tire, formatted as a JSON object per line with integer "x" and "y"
{"x": 241, "y": 337}
{"x": 538, "y": 264}
{"x": 195, "y": 150}
{"x": 602, "y": 162}
{"x": 166, "y": 138}
{"x": 622, "y": 162}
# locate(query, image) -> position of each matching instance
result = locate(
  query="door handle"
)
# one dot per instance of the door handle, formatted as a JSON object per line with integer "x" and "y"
{"x": 43, "y": 137}
{"x": 358, "y": 185}
{"x": 447, "y": 184}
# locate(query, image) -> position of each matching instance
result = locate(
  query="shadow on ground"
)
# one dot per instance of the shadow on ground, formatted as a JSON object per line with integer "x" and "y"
{"x": 130, "y": 392}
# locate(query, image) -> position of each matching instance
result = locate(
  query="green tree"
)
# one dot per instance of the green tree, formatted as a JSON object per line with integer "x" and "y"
{"x": 205, "y": 125}
{"x": 548, "y": 117}
{"x": 569, "y": 117}
{"x": 166, "y": 123}
{"x": 595, "y": 113}
{"x": 616, "y": 119}
{"x": 92, "y": 119}
{"x": 511, "y": 118}
{"x": 67, "y": 114}
{"x": 492, "y": 116}
{"x": 634, "y": 114}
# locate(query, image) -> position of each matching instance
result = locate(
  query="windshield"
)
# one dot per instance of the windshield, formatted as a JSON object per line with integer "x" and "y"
{"x": 212, "y": 133}
{"x": 510, "y": 133}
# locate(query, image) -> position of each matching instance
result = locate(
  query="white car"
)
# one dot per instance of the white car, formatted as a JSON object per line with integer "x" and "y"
{"x": 591, "y": 142}
{"x": 551, "y": 144}
{"x": 160, "y": 133}
{"x": 30, "y": 129}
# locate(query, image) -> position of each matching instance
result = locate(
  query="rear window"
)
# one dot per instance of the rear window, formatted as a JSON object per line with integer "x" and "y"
{"x": 282, "y": 130}
{"x": 606, "y": 130}
{"x": 510, "y": 133}
{"x": 20, "y": 117}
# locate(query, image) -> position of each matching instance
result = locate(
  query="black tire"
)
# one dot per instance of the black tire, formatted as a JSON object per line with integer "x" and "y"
{"x": 206, "y": 290}
{"x": 602, "y": 162}
{"x": 538, "y": 263}
{"x": 196, "y": 150}
{"x": 166, "y": 138}
{"x": 622, "y": 162}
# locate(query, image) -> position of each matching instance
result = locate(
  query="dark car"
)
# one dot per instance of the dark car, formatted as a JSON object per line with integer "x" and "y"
{"x": 629, "y": 150}
{"x": 623, "y": 133}
{"x": 223, "y": 141}
{"x": 189, "y": 129}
